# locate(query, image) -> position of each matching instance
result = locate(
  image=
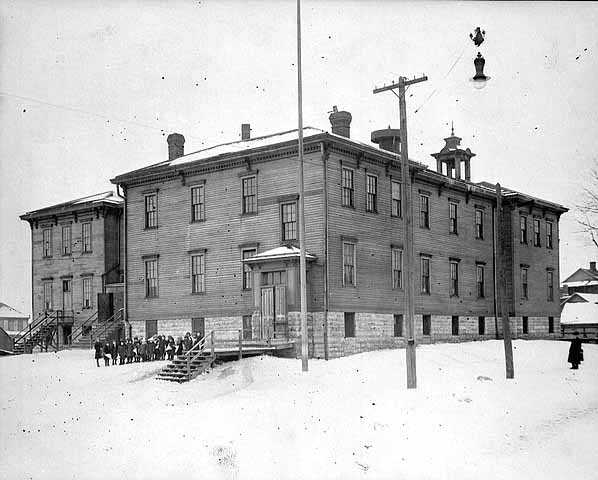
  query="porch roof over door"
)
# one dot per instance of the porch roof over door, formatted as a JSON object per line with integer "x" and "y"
{"x": 286, "y": 252}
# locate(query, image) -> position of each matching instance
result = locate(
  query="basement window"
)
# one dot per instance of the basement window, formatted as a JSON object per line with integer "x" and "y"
{"x": 349, "y": 324}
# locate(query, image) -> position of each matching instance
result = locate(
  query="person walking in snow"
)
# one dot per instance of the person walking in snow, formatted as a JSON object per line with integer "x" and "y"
{"x": 98, "y": 348}
{"x": 575, "y": 352}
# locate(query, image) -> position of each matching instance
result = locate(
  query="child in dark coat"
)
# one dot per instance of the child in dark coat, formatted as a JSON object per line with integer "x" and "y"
{"x": 122, "y": 352}
{"x": 107, "y": 354}
{"x": 99, "y": 354}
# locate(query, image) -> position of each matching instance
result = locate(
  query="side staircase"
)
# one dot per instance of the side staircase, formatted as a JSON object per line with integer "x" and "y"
{"x": 92, "y": 330}
{"x": 42, "y": 332}
{"x": 197, "y": 360}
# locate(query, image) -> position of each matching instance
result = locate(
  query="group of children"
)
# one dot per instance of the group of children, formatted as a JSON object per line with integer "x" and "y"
{"x": 158, "y": 347}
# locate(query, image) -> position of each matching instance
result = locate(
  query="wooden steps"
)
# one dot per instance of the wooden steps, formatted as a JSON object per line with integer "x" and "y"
{"x": 179, "y": 370}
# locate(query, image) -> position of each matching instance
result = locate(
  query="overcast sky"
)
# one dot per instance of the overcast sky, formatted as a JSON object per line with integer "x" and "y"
{"x": 88, "y": 90}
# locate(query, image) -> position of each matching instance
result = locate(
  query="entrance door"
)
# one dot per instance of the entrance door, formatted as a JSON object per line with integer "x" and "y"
{"x": 67, "y": 296}
{"x": 267, "y": 323}
{"x": 274, "y": 305}
{"x": 198, "y": 325}
{"x": 280, "y": 311}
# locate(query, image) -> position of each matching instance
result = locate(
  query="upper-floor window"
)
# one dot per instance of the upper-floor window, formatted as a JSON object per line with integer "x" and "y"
{"x": 198, "y": 273}
{"x": 250, "y": 194}
{"x": 524, "y": 292}
{"x": 549, "y": 234}
{"x": 86, "y": 237}
{"x": 66, "y": 240}
{"x": 151, "y": 277}
{"x": 371, "y": 201}
{"x": 536, "y": 232}
{"x": 454, "y": 280}
{"x": 198, "y": 205}
{"x": 452, "y": 217}
{"x": 550, "y": 285}
{"x": 480, "y": 281}
{"x": 348, "y": 188}
{"x": 425, "y": 274}
{"x": 151, "y": 210}
{"x": 397, "y": 208}
{"x": 479, "y": 224}
{"x": 288, "y": 213}
{"x": 47, "y": 242}
{"x": 523, "y": 229}
{"x": 47, "y": 295}
{"x": 397, "y": 268}
{"x": 87, "y": 292}
{"x": 349, "y": 264}
{"x": 247, "y": 273}
{"x": 424, "y": 211}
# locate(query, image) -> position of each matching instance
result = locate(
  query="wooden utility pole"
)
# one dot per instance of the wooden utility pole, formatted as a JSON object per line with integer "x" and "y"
{"x": 502, "y": 288}
{"x": 409, "y": 310}
{"x": 302, "y": 266}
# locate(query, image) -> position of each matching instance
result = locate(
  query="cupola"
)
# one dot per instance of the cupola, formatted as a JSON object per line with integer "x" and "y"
{"x": 453, "y": 160}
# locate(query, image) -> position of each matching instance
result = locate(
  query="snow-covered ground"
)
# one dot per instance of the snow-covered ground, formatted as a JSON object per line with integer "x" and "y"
{"x": 62, "y": 417}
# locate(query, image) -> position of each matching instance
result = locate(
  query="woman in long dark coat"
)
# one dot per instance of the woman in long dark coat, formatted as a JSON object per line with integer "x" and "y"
{"x": 98, "y": 348}
{"x": 575, "y": 352}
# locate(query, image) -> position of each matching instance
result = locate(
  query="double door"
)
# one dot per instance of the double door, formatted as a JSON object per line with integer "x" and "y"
{"x": 274, "y": 312}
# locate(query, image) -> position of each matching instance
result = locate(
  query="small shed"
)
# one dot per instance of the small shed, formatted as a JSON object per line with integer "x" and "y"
{"x": 11, "y": 320}
{"x": 580, "y": 314}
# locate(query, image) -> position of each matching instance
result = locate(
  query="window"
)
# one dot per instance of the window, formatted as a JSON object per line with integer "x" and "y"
{"x": 425, "y": 274}
{"x": 371, "y": 201}
{"x": 481, "y": 325}
{"x": 87, "y": 294}
{"x": 454, "y": 280}
{"x": 198, "y": 326}
{"x": 550, "y": 324}
{"x": 289, "y": 221}
{"x": 274, "y": 278}
{"x": 47, "y": 295}
{"x": 66, "y": 286}
{"x": 536, "y": 232}
{"x": 524, "y": 291}
{"x": 480, "y": 280}
{"x": 198, "y": 205}
{"x": 86, "y": 237}
{"x": 66, "y": 240}
{"x": 523, "y": 229}
{"x": 247, "y": 274}
{"x": 348, "y": 189}
{"x": 198, "y": 273}
{"x": 426, "y": 324}
{"x": 247, "y": 330}
{"x": 151, "y": 211}
{"x": 397, "y": 209}
{"x": 455, "y": 325}
{"x": 525, "y": 325}
{"x": 424, "y": 211}
{"x": 151, "y": 328}
{"x": 479, "y": 224}
{"x": 349, "y": 324}
{"x": 151, "y": 278}
{"x": 452, "y": 218}
{"x": 47, "y": 242}
{"x": 397, "y": 268}
{"x": 548, "y": 234}
{"x": 398, "y": 325}
{"x": 550, "y": 285}
{"x": 348, "y": 264}
{"x": 250, "y": 195}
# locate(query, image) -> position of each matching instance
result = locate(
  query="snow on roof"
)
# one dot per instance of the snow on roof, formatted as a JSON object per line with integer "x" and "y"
{"x": 104, "y": 197}
{"x": 279, "y": 253}
{"x": 580, "y": 313}
{"x": 580, "y": 283}
{"x": 6, "y": 311}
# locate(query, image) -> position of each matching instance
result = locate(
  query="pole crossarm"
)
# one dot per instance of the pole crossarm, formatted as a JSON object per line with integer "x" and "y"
{"x": 385, "y": 88}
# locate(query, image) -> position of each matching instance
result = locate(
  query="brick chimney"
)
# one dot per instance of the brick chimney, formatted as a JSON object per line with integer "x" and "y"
{"x": 245, "y": 131}
{"x": 593, "y": 266}
{"x": 388, "y": 139}
{"x": 176, "y": 145}
{"x": 341, "y": 122}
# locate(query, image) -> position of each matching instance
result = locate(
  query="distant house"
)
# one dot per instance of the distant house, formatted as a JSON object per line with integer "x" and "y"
{"x": 583, "y": 280}
{"x": 11, "y": 320}
{"x": 580, "y": 314}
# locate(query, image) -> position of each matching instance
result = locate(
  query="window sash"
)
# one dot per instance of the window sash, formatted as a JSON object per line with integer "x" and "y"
{"x": 197, "y": 203}
{"x": 452, "y": 217}
{"x": 524, "y": 283}
{"x": 66, "y": 240}
{"x": 425, "y": 275}
{"x": 348, "y": 264}
{"x": 86, "y": 234}
{"x": 372, "y": 193}
{"x": 549, "y": 234}
{"x": 249, "y": 195}
{"x": 424, "y": 211}
{"x": 198, "y": 273}
{"x": 151, "y": 278}
{"x": 480, "y": 281}
{"x": 454, "y": 285}
{"x": 151, "y": 211}
{"x": 550, "y": 286}
{"x": 479, "y": 224}
{"x": 247, "y": 273}
{"x": 47, "y": 242}
{"x": 348, "y": 189}
{"x": 87, "y": 296}
{"x": 536, "y": 233}
{"x": 397, "y": 206}
{"x": 523, "y": 229}
{"x": 289, "y": 221}
{"x": 397, "y": 268}
{"x": 47, "y": 295}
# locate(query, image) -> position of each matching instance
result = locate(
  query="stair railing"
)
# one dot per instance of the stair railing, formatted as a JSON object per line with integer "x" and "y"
{"x": 35, "y": 327}
{"x": 110, "y": 323}
{"x": 197, "y": 350}
{"x": 26, "y": 330}
{"x": 80, "y": 330}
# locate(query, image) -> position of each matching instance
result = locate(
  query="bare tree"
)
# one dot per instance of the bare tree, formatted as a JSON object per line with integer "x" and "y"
{"x": 588, "y": 210}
